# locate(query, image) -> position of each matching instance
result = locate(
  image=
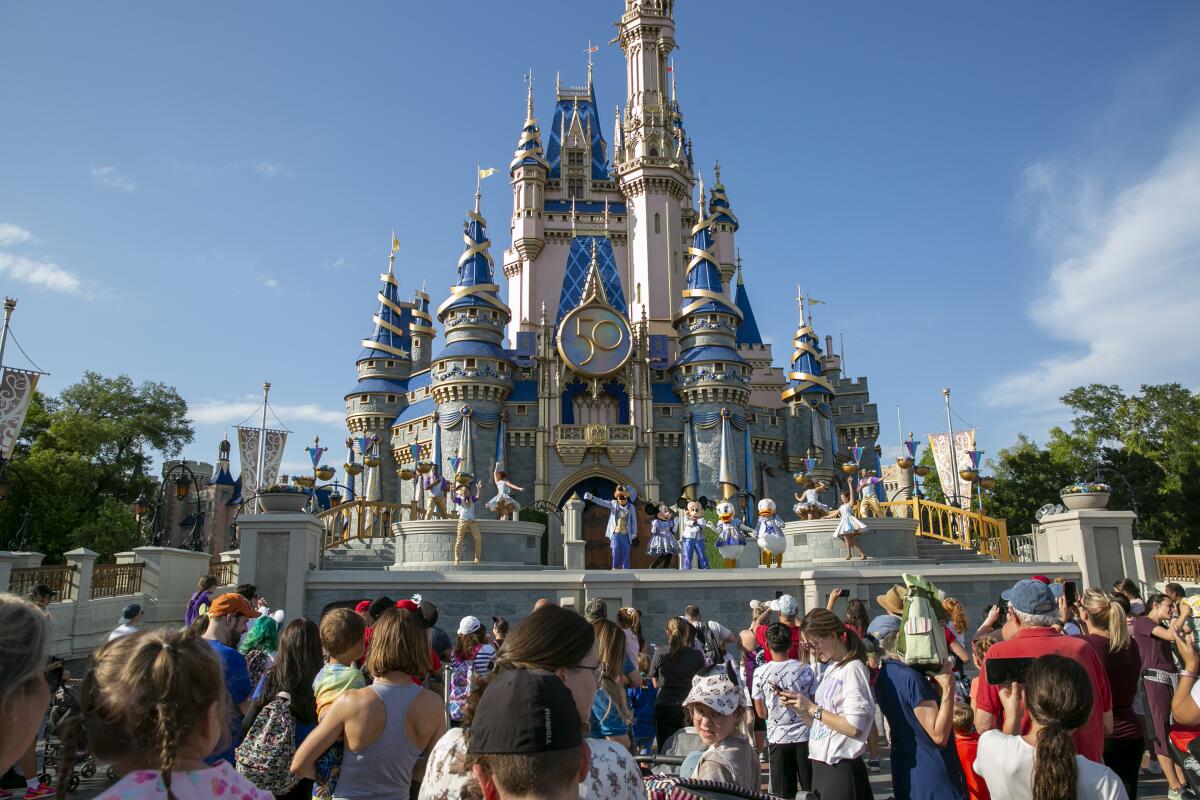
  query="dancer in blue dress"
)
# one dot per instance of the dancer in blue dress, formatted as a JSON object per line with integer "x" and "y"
{"x": 663, "y": 544}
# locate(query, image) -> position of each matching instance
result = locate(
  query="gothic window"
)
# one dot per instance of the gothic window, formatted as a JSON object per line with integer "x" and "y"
{"x": 522, "y": 410}
{"x": 654, "y": 152}
{"x": 470, "y": 363}
{"x": 574, "y": 158}
{"x": 391, "y": 398}
{"x": 657, "y": 223}
{"x": 575, "y": 187}
{"x": 664, "y": 411}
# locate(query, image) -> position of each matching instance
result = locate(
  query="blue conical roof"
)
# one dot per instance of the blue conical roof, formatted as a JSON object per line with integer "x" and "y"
{"x": 571, "y": 102}
{"x": 748, "y": 329}
{"x": 805, "y": 379}
{"x": 704, "y": 289}
{"x": 390, "y": 332}
{"x": 529, "y": 146}
{"x": 475, "y": 286}
{"x": 719, "y": 208}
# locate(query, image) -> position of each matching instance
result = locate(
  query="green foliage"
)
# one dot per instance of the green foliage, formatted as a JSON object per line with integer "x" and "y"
{"x": 84, "y": 457}
{"x": 931, "y": 484}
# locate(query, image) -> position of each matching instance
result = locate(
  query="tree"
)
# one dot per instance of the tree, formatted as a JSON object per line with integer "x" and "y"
{"x": 84, "y": 457}
{"x": 1027, "y": 477}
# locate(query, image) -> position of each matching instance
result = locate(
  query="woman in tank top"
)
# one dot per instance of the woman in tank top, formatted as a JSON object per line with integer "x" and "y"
{"x": 387, "y": 725}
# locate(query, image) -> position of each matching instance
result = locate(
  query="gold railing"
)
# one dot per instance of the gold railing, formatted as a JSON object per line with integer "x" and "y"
{"x": 116, "y": 580}
{"x": 1178, "y": 568}
{"x": 60, "y": 579}
{"x": 967, "y": 529}
{"x": 223, "y": 571}
{"x": 358, "y": 519}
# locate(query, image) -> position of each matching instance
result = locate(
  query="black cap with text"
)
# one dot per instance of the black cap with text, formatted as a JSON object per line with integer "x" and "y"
{"x": 525, "y": 711}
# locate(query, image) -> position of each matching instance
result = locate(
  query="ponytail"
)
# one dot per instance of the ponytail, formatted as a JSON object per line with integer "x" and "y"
{"x": 1106, "y": 614}
{"x": 1058, "y": 696}
{"x": 676, "y": 636}
{"x": 855, "y": 649}
{"x": 1118, "y": 628}
{"x": 1055, "y": 770}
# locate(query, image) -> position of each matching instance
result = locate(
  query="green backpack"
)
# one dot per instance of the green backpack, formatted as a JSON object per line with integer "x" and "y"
{"x": 922, "y": 641}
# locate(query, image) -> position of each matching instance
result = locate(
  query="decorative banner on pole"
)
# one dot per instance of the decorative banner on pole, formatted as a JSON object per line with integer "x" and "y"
{"x": 856, "y": 453}
{"x": 16, "y": 392}
{"x": 364, "y": 445}
{"x": 273, "y": 456}
{"x": 939, "y": 444}
{"x": 726, "y": 473}
{"x": 691, "y": 470}
{"x": 809, "y": 463}
{"x": 414, "y": 450}
{"x": 315, "y": 454}
{"x": 911, "y": 446}
{"x": 248, "y": 455}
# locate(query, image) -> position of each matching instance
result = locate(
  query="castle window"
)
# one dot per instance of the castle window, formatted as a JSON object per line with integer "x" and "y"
{"x": 391, "y": 398}
{"x": 522, "y": 410}
{"x": 370, "y": 363}
{"x": 664, "y": 411}
{"x": 773, "y": 421}
{"x": 752, "y": 418}
{"x": 718, "y": 367}
{"x": 654, "y": 152}
{"x": 470, "y": 363}
{"x": 472, "y": 312}
{"x": 575, "y": 158}
{"x": 391, "y": 363}
{"x": 657, "y": 222}
{"x": 575, "y": 187}
{"x": 362, "y": 398}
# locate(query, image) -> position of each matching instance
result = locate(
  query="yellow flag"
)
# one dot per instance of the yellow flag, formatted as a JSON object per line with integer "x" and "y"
{"x": 812, "y": 301}
{"x": 484, "y": 173}
{"x": 395, "y": 243}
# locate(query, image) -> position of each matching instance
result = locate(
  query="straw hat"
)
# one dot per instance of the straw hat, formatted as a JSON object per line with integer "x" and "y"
{"x": 892, "y": 601}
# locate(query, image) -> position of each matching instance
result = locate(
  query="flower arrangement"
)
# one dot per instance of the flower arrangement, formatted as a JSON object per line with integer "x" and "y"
{"x": 1086, "y": 487}
{"x": 280, "y": 488}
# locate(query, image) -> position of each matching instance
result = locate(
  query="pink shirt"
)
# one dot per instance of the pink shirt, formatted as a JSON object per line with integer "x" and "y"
{"x": 221, "y": 781}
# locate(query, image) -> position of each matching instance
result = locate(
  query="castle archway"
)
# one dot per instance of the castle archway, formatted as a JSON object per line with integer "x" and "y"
{"x": 601, "y": 481}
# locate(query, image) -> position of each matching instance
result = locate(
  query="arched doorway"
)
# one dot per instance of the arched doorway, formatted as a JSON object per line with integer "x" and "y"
{"x": 597, "y": 553}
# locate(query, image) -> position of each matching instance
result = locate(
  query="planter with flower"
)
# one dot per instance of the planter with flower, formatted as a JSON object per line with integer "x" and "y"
{"x": 282, "y": 497}
{"x": 1084, "y": 495}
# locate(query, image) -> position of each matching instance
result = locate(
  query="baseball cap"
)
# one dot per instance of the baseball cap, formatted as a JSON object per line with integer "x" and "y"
{"x": 786, "y": 605}
{"x": 469, "y": 625}
{"x": 525, "y": 711}
{"x": 1030, "y": 597}
{"x": 883, "y": 625}
{"x": 716, "y": 691}
{"x": 595, "y": 609}
{"x": 1040, "y": 579}
{"x": 130, "y": 611}
{"x": 232, "y": 603}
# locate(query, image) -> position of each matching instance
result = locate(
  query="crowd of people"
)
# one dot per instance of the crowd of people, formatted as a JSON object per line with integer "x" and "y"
{"x": 1055, "y": 694}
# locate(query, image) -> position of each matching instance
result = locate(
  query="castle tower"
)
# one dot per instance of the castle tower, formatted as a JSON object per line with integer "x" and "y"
{"x": 725, "y": 225}
{"x": 809, "y": 392}
{"x": 421, "y": 331}
{"x": 384, "y": 365}
{"x": 528, "y": 170}
{"x": 710, "y": 375}
{"x": 221, "y": 490}
{"x": 473, "y": 375}
{"x": 654, "y": 171}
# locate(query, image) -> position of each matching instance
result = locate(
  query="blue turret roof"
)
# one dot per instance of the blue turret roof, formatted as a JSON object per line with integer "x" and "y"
{"x": 804, "y": 376}
{"x": 390, "y": 335}
{"x": 579, "y": 262}
{"x": 703, "y": 275}
{"x": 748, "y": 329}
{"x": 584, "y": 103}
{"x": 529, "y": 146}
{"x": 719, "y": 208}
{"x": 475, "y": 286}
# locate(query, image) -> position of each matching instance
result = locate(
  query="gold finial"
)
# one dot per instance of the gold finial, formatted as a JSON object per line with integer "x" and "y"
{"x": 717, "y": 170}
{"x": 529, "y": 95}
{"x": 739, "y": 266}
{"x": 700, "y": 182}
{"x": 591, "y": 48}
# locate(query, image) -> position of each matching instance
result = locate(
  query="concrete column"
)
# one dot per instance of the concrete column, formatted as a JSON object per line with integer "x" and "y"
{"x": 573, "y": 555}
{"x": 84, "y": 561}
{"x": 277, "y": 551}
{"x": 8, "y": 560}
{"x": 1145, "y": 568}
{"x": 1100, "y": 542}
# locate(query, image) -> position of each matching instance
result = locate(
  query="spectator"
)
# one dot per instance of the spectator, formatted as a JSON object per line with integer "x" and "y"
{"x": 630, "y": 620}
{"x": 527, "y": 740}
{"x": 363, "y": 609}
{"x": 856, "y": 617}
{"x": 341, "y": 635}
{"x": 1131, "y": 591}
{"x": 1033, "y": 609}
{"x": 560, "y": 641}
{"x": 966, "y": 742}
{"x": 594, "y": 610}
{"x": 787, "y": 732}
{"x": 541, "y": 602}
{"x": 227, "y": 618}
{"x": 710, "y": 637}
{"x": 388, "y": 725}
{"x": 439, "y": 641}
{"x": 24, "y": 692}
{"x": 131, "y": 615}
{"x": 956, "y": 628}
{"x": 1185, "y": 705}
{"x": 499, "y": 631}
{"x": 1043, "y": 763}
{"x": 715, "y": 701}
{"x": 153, "y": 704}
{"x": 920, "y": 715}
{"x": 374, "y": 610}
{"x": 1155, "y": 643}
{"x": 979, "y": 651}
{"x": 198, "y": 603}
{"x": 610, "y": 716}
{"x": 788, "y": 608}
{"x": 1105, "y": 629}
{"x": 42, "y": 596}
{"x": 641, "y": 703}
{"x": 258, "y": 647}
{"x": 470, "y": 660}
{"x": 892, "y": 601}
{"x": 671, "y": 672}
{"x": 297, "y": 663}
{"x": 842, "y": 712}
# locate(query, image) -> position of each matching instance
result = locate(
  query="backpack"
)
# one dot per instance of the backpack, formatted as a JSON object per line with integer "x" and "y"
{"x": 265, "y": 756}
{"x": 709, "y": 645}
{"x": 461, "y": 672}
{"x": 922, "y": 641}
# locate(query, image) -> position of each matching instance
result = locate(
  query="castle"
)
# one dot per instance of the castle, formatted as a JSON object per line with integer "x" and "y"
{"x": 625, "y": 349}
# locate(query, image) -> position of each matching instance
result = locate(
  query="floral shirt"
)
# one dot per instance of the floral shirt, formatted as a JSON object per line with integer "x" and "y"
{"x": 614, "y": 775}
{"x": 221, "y": 781}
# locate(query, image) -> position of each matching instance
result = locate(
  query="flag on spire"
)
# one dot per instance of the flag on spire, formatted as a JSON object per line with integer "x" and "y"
{"x": 486, "y": 173}
{"x": 395, "y": 244}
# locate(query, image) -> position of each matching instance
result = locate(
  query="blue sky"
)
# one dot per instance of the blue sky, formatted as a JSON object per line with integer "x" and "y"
{"x": 1001, "y": 198}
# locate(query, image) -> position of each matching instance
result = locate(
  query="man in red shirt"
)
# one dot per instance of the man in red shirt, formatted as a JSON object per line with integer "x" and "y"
{"x": 1033, "y": 607}
{"x": 787, "y": 608}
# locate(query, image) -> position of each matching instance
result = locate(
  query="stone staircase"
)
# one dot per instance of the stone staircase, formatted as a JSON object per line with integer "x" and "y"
{"x": 936, "y": 551}
{"x": 374, "y": 554}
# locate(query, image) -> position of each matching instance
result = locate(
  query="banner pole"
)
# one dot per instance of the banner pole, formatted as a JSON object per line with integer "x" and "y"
{"x": 9, "y": 304}
{"x": 953, "y": 453}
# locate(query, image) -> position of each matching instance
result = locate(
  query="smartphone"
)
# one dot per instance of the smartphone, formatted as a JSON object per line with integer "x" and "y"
{"x": 1069, "y": 592}
{"x": 1003, "y": 671}
{"x": 778, "y": 593}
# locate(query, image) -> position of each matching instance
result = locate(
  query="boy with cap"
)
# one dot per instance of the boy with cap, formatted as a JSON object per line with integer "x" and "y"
{"x": 227, "y": 618}
{"x": 130, "y": 617}
{"x": 526, "y": 739}
{"x": 1033, "y": 607}
{"x": 788, "y": 608}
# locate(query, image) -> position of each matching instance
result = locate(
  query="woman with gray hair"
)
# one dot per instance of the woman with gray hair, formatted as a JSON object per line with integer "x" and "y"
{"x": 24, "y": 692}
{"x": 920, "y": 713}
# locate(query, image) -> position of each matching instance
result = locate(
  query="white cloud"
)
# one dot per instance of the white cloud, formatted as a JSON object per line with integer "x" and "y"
{"x": 269, "y": 282}
{"x": 13, "y": 234}
{"x": 41, "y": 274}
{"x": 1123, "y": 294}
{"x": 231, "y": 412}
{"x": 340, "y": 264}
{"x": 109, "y": 176}
{"x": 273, "y": 170}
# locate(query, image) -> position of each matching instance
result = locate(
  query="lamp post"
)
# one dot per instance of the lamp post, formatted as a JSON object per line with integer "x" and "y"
{"x": 182, "y": 481}
{"x": 908, "y": 461}
{"x": 970, "y": 474}
{"x": 18, "y": 541}
{"x": 321, "y": 472}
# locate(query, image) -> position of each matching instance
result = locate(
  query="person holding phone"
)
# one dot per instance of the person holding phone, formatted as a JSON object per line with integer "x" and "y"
{"x": 779, "y": 679}
{"x": 1155, "y": 636}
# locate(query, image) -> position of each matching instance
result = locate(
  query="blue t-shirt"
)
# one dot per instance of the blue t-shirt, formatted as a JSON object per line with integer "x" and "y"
{"x": 604, "y": 719}
{"x": 237, "y": 683}
{"x": 920, "y": 769}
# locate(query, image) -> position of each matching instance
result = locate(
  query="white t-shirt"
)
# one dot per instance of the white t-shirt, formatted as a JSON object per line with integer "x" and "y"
{"x": 784, "y": 724}
{"x": 845, "y": 689}
{"x": 122, "y": 630}
{"x": 1006, "y": 765}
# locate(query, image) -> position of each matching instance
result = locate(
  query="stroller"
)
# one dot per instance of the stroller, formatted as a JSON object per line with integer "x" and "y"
{"x": 64, "y": 730}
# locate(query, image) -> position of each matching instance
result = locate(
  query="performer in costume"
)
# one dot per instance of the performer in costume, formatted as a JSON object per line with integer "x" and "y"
{"x": 503, "y": 504}
{"x": 849, "y": 527}
{"x": 809, "y": 505}
{"x": 464, "y": 501}
{"x": 868, "y": 505}
{"x": 731, "y": 534}
{"x": 435, "y": 494}
{"x": 693, "y": 537}
{"x": 663, "y": 544}
{"x": 416, "y": 506}
{"x": 622, "y": 523}
{"x": 771, "y": 541}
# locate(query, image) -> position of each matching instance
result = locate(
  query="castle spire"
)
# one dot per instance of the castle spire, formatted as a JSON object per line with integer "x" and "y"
{"x": 805, "y": 374}
{"x": 719, "y": 207}
{"x": 529, "y": 144}
{"x": 475, "y": 286}
{"x": 390, "y": 337}
{"x": 704, "y": 290}
{"x": 593, "y": 287}
{"x": 748, "y": 332}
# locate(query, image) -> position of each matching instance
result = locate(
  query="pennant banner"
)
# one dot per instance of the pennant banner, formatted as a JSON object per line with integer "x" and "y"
{"x": 911, "y": 446}
{"x": 248, "y": 454}
{"x": 273, "y": 456}
{"x": 939, "y": 443}
{"x": 16, "y": 392}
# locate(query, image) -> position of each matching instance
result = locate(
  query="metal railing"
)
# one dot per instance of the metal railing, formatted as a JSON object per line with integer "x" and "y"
{"x": 116, "y": 580}
{"x": 1178, "y": 568}
{"x": 60, "y": 579}
{"x": 223, "y": 571}
{"x": 1021, "y": 547}
{"x": 967, "y": 529}
{"x": 358, "y": 519}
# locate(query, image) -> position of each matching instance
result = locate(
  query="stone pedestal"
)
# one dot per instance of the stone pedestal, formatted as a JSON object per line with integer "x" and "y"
{"x": 1145, "y": 568}
{"x": 277, "y": 551}
{"x": 1100, "y": 542}
{"x": 84, "y": 561}
{"x": 812, "y": 541}
{"x": 573, "y": 544}
{"x": 429, "y": 544}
